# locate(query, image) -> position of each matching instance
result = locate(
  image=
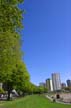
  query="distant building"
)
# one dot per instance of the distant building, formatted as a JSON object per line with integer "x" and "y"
{"x": 63, "y": 85}
{"x": 56, "y": 81}
{"x": 49, "y": 85}
{"x": 42, "y": 84}
{"x": 69, "y": 83}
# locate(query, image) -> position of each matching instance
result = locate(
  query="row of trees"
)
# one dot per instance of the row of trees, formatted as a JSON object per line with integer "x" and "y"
{"x": 30, "y": 88}
{"x": 13, "y": 72}
{"x": 67, "y": 88}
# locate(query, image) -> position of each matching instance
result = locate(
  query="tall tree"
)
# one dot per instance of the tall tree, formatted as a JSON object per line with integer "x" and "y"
{"x": 10, "y": 39}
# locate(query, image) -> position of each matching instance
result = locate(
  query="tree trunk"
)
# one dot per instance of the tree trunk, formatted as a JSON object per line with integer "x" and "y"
{"x": 8, "y": 98}
{"x": 9, "y": 89}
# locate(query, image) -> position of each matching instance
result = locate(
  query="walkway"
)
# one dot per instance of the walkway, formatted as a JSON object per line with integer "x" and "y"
{"x": 57, "y": 101}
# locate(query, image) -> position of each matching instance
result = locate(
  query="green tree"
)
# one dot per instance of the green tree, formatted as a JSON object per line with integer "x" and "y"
{"x": 19, "y": 78}
{"x": 2, "y": 91}
{"x": 10, "y": 55}
{"x": 10, "y": 42}
{"x": 10, "y": 15}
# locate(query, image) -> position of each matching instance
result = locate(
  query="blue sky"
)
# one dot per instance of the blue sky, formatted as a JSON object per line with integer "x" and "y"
{"x": 47, "y": 38}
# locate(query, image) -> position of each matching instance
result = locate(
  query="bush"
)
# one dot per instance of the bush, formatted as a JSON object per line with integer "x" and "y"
{"x": 2, "y": 91}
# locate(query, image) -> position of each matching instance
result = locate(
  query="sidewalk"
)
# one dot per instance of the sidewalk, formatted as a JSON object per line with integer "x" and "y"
{"x": 51, "y": 99}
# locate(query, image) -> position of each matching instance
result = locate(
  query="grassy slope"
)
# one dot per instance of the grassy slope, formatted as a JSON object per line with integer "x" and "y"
{"x": 33, "y": 102}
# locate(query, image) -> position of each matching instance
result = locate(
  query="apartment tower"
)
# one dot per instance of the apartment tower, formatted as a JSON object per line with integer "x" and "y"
{"x": 56, "y": 81}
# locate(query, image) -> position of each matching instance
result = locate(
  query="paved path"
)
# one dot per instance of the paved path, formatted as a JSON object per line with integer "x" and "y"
{"x": 56, "y": 100}
{"x": 49, "y": 98}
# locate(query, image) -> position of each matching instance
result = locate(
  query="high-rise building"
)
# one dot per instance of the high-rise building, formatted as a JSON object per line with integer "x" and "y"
{"x": 63, "y": 85}
{"x": 69, "y": 83}
{"x": 49, "y": 85}
{"x": 56, "y": 81}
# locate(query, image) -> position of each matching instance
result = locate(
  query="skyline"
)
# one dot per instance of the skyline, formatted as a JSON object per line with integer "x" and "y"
{"x": 47, "y": 39}
{"x": 60, "y": 79}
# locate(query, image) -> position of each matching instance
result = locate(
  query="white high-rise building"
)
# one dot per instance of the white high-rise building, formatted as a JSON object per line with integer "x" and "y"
{"x": 49, "y": 85}
{"x": 56, "y": 81}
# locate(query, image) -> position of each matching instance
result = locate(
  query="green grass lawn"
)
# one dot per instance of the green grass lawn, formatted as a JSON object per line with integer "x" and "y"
{"x": 33, "y": 101}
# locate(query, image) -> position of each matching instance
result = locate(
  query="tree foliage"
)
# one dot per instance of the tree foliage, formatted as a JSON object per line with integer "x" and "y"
{"x": 10, "y": 15}
{"x": 2, "y": 91}
{"x": 21, "y": 76}
{"x": 12, "y": 70}
{"x": 10, "y": 54}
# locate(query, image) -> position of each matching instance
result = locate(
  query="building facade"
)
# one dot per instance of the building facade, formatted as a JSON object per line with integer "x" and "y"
{"x": 63, "y": 85}
{"x": 49, "y": 85}
{"x": 69, "y": 83}
{"x": 56, "y": 81}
